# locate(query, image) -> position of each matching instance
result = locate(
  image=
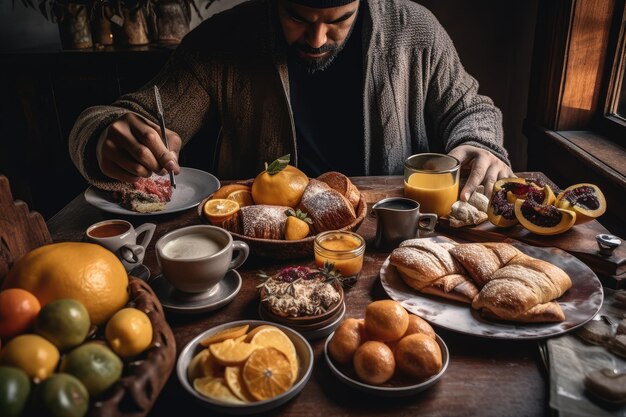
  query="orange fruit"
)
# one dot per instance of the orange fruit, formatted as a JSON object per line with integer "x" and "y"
{"x": 374, "y": 362}
{"x": 229, "y": 333}
{"x": 234, "y": 380}
{"x": 419, "y": 325}
{"x": 280, "y": 184}
{"x": 243, "y": 197}
{"x": 267, "y": 373}
{"x": 274, "y": 337}
{"x": 216, "y": 389}
{"x": 202, "y": 365}
{"x": 219, "y": 210}
{"x": 346, "y": 340}
{"x": 254, "y": 331}
{"x": 86, "y": 272}
{"x": 419, "y": 356}
{"x": 226, "y": 190}
{"x": 231, "y": 351}
{"x": 18, "y": 311}
{"x": 386, "y": 320}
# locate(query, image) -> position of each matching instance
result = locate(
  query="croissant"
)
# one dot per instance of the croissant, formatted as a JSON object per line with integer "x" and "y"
{"x": 514, "y": 286}
{"x": 342, "y": 184}
{"x": 259, "y": 221}
{"x": 429, "y": 268}
{"x": 328, "y": 209}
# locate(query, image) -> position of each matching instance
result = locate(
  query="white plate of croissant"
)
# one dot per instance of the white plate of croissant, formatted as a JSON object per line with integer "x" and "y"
{"x": 504, "y": 290}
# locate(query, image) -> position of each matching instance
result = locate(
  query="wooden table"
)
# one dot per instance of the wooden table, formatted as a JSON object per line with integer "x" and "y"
{"x": 485, "y": 377}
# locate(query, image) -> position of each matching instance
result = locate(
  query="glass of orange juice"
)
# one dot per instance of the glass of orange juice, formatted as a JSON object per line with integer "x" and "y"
{"x": 432, "y": 179}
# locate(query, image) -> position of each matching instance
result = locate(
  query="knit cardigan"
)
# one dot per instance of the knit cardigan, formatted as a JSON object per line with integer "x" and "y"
{"x": 417, "y": 96}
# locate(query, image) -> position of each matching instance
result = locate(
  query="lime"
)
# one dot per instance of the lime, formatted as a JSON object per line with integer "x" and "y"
{"x": 95, "y": 365}
{"x": 129, "y": 332}
{"x": 14, "y": 390}
{"x": 62, "y": 395}
{"x": 64, "y": 322}
{"x": 32, "y": 354}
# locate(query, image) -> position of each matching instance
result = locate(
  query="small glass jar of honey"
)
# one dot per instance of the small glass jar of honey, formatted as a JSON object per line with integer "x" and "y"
{"x": 345, "y": 250}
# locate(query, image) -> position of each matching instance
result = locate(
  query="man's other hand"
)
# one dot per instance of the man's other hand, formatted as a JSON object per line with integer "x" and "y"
{"x": 131, "y": 148}
{"x": 485, "y": 168}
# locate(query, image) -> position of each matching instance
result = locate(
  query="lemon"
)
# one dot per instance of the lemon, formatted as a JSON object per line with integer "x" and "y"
{"x": 32, "y": 354}
{"x": 129, "y": 332}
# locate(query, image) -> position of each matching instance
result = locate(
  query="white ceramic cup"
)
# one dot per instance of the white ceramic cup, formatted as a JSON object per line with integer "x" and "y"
{"x": 196, "y": 258}
{"x": 120, "y": 237}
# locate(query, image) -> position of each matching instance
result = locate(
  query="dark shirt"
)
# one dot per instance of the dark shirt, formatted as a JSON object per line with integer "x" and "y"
{"x": 328, "y": 111}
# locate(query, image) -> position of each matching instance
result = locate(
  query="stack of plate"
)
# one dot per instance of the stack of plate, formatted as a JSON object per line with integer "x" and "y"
{"x": 310, "y": 327}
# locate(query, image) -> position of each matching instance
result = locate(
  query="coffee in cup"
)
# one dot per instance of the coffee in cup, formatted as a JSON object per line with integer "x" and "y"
{"x": 120, "y": 237}
{"x": 196, "y": 258}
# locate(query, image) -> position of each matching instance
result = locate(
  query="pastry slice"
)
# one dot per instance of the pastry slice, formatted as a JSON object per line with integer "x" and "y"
{"x": 482, "y": 260}
{"x": 328, "y": 209}
{"x": 342, "y": 184}
{"x": 263, "y": 222}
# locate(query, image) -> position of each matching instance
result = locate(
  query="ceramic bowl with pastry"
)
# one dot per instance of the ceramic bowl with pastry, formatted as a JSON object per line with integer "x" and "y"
{"x": 279, "y": 213}
{"x": 389, "y": 352}
{"x": 303, "y": 299}
{"x": 245, "y": 367}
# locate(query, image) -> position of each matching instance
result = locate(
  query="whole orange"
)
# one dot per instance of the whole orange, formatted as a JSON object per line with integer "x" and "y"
{"x": 18, "y": 311}
{"x": 280, "y": 184}
{"x": 85, "y": 272}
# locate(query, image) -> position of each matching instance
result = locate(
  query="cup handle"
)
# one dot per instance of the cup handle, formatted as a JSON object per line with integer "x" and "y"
{"x": 148, "y": 229}
{"x": 430, "y": 218}
{"x": 241, "y": 257}
{"x": 131, "y": 253}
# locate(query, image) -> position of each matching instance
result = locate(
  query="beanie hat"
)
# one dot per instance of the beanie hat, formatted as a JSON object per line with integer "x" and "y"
{"x": 322, "y": 4}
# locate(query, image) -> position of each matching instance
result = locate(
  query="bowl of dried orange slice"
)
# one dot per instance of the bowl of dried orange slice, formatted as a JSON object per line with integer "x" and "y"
{"x": 245, "y": 367}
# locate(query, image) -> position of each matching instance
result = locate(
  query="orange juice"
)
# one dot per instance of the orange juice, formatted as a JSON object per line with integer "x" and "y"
{"x": 436, "y": 192}
{"x": 343, "y": 249}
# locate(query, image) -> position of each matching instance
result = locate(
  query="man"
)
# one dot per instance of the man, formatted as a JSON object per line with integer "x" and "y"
{"x": 348, "y": 85}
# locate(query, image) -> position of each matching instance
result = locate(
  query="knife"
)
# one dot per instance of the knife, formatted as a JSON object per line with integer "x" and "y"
{"x": 157, "y": 97}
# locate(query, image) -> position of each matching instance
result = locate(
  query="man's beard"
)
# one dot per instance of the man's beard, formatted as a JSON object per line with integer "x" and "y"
{"x": 313, "y": 65}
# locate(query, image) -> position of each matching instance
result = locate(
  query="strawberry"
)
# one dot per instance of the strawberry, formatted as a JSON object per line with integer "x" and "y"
{"x": 297, "y": 226}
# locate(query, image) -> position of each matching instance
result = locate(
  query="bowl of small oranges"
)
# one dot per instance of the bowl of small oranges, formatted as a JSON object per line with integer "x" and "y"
{"x": 245, "y": 367}
{"x": 389, "y": 352}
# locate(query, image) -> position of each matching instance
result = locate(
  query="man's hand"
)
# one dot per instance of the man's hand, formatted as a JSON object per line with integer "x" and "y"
{"x": 485, "y": 168}
{"x": 132, "y": 148}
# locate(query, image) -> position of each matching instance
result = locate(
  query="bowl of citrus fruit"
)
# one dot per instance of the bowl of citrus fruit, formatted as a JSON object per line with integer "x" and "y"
{"x": 245, "y": 367}
{"x": 280, "y": 211}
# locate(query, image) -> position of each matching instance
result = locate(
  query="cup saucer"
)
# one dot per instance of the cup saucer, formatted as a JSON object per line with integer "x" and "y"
{"x": 186, "y": 303}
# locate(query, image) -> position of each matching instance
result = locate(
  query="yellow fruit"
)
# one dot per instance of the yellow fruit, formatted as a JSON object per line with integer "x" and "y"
{"x": 297, "y": 225}
{"x": 231, "y": 351}
{"x": 267, "y": 373}
{"x": 280, "y": 184}
{"x": 85, "y": 272}
{"x": 230, "y": 333}
{"x": 254, "y": 331}
{"x": 386, "y": 320}
{"x": 347, "y": 338}
{"x": 203, "y": 365}
{"x": 129, "y": 332}
{"x": 242, "y": 197}
{"x": 234, "y": 380}
{"x": 216, "y": 389}
{"x": 374, "y": 362}
{"x": 274, "y": 337}
{"x": 219, "y": 210}
{"x": 31, "y": 353}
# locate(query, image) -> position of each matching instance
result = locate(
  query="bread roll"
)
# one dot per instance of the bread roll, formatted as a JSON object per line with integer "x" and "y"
{"x": 328, "y": 209}
{"x": 342, "y": 184}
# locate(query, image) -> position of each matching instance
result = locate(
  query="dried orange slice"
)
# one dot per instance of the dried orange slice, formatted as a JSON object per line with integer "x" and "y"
{"x": 254, "y": 331}
{"x": 234, "y": 379}
{"x": 243, "y": 197}
{"x": 274, "y": 337}
{"x": 267, "y": 373}
{"x": 225, "y": 190}
{"x": 202, "y": 365}
{"x": 219, "y": 210}
{"x": 231, "y": 352}
{"x": 229, "y": 333}
{"x": 216, "y": 389}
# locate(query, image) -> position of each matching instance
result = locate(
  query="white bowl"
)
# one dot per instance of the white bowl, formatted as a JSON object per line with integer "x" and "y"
{"x": 393, "y": 391}
{"x": 303, "y": 350}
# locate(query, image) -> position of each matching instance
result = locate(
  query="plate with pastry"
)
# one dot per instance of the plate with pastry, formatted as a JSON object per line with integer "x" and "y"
{"x": 503, "y": 290}
{"x": 279, "y": 212}
{"x": 153, "y": 196}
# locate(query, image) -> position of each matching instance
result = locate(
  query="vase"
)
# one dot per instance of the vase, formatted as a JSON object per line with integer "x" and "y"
{"x": 134, "y": 30}
{"x": 74, "y": 27}
{"x": 171, "y": 21}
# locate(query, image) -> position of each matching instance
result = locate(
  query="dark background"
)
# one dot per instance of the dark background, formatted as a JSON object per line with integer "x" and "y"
{"x": 43, "y": 89}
